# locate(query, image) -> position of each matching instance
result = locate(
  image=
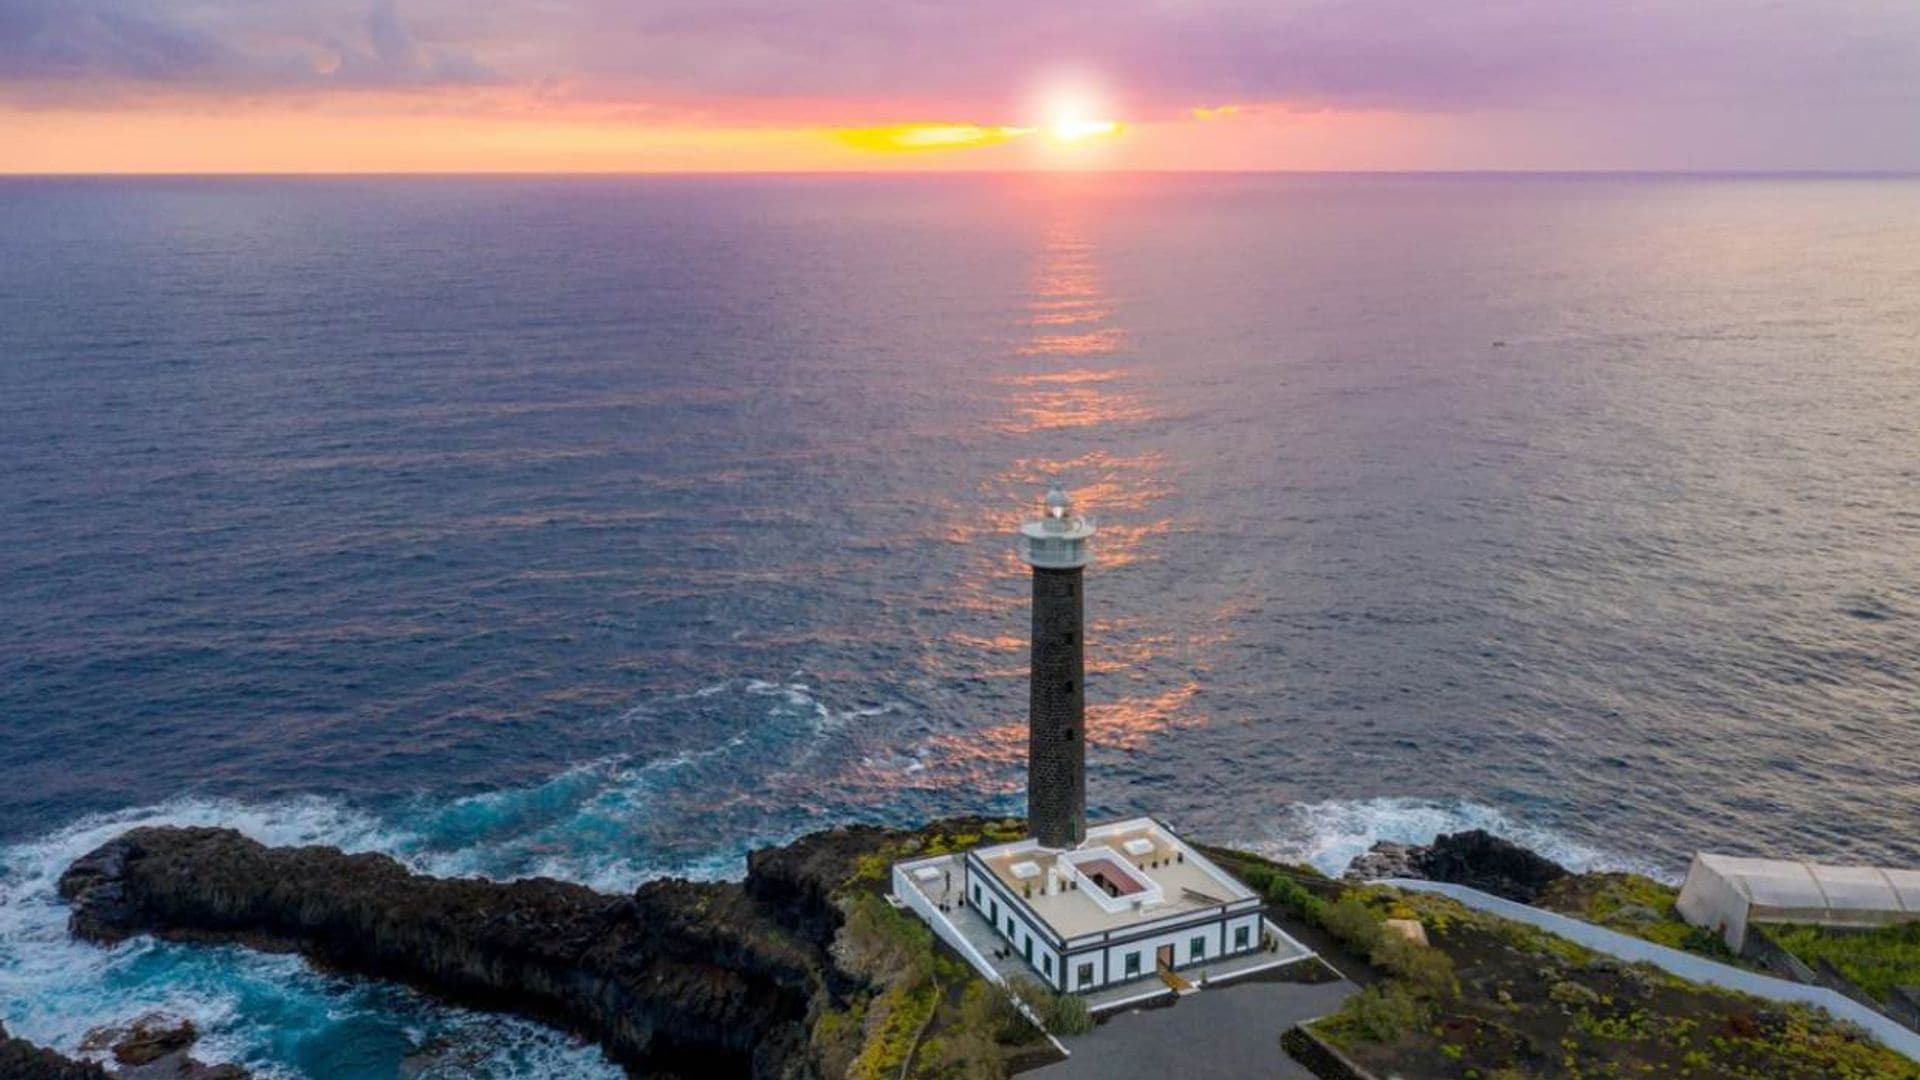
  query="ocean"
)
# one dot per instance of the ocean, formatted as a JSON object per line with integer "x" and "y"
{"x": 607, "y": 528}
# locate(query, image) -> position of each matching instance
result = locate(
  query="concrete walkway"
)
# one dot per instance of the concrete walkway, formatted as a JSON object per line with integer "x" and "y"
{"x": 1225, "y": 1033}
{"x": 1686, "y": 965}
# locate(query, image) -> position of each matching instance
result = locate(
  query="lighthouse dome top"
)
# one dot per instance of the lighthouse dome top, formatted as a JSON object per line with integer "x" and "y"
{"x": 1058, "y": 539}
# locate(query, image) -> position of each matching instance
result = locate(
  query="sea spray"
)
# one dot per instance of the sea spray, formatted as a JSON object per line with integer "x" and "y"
{"x": 269, "y": 1012}
{"x": 1328, "y": 835}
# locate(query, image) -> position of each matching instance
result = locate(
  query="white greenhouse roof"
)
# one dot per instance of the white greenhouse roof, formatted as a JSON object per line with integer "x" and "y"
{"x": 1726, "y": 893}
{"x": 1784, "y": 883}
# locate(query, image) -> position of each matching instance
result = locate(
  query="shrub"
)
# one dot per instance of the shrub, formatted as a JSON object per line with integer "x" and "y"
{"x": 1284, "y": 892}
{"x": 1382, "y": 1012}
{"x": 1068, "y": 1014}
{"x": 892, "y": 1024}
{"x": 882, "y": 945}
{"x": 1062, "y": 1014}
{"x": 1353, "y": 923}
{"x": 1426, "y": 970}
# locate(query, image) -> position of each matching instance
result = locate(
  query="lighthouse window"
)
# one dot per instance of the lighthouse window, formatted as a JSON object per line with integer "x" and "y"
{"x": 1067, "y": 735}
{"x": 1069, "y": 686}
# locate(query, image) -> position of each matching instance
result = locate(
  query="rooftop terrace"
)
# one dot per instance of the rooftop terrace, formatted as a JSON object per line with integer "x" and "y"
{"x": 1125, "y": 874}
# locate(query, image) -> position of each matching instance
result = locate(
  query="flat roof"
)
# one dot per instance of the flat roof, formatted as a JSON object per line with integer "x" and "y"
{"x": 1144, "y": 849}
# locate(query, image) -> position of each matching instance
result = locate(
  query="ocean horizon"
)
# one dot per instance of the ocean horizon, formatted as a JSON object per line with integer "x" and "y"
{"x": 608, "y": 527}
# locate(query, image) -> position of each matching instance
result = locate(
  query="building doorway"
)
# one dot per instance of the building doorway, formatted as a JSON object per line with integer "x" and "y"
{"x": 1163, "y": 958}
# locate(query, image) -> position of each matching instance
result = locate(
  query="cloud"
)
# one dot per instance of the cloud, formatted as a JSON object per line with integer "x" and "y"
{"x": 846, "y": 62}
{"x": 82, "y": 48}
{"x": 1174, "y": 54}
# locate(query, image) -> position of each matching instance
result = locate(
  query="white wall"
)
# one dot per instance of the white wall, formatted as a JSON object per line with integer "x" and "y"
{"x": 910, "y": 894}
{"x": 1110, "y": 962}
{"x": 996, "y": 909}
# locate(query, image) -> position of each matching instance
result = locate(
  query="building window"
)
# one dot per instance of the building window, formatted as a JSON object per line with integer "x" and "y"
{"x": 1069, "y": 686}
{"x": 1046, "y": 962}
{"x": 1066, "y": 638}
{"x": 1196, "y": 948}
{"x": 1066, "y": 735}
{"x": 1010, "y": 934}
{"x": 1029, "y": 950}
{"x": 1241, "y": 938}
{"x": 1133, "y": 964}
{"x": 1085, "y": 977}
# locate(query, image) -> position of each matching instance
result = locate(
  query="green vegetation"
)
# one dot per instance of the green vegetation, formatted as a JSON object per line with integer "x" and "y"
{"x": 1634, "y": 905}
{"x": 1063, "y": 1014}
{"x": 1497, "y": 1000}
{"x": 874, "y": 867}
{"x": 924, "y": 1014}
{"x": 1876, "y": 961}
{"x": 1283, "y": 886}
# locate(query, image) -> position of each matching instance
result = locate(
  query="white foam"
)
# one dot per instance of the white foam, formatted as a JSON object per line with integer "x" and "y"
{"x": 1329, "y": 835}
{"x": 609, "y": 824}
{"x": 54, "y": 990}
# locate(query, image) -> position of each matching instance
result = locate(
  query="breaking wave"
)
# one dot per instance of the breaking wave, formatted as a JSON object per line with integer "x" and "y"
{"x": 271, "y": 1013}
{"x": 1328, "y": 835}
{"x": 609, "y": 824}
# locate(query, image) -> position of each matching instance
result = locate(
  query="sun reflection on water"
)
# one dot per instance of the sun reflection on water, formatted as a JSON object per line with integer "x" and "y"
{"x": 1070, "y": 372}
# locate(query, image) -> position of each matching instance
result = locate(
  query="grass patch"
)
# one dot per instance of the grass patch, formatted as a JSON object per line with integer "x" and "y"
{"x": 1876, "y": 961}
{"x": 1635, "y": 905}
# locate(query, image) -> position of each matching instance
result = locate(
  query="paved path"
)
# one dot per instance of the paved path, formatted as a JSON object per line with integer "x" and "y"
{"x": 1686, "y": 965}
{"x": 1221, "y": 1033}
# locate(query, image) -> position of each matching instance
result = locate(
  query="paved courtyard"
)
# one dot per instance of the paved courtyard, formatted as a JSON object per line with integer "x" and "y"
{"x": 1223, "y": 1033}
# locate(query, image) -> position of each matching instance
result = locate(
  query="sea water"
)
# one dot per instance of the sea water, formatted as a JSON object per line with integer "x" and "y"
{"x": 608, "y": 528}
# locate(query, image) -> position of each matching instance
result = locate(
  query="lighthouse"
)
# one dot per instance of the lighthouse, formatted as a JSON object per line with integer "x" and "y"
{"x": 1084, "y": 907}
{"x": 1055, "y": 546}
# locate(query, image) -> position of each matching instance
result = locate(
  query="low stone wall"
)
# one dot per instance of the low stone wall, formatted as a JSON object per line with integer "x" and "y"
{"x": 1902, "y": 1008}
{"x": 1319, "y": 1057}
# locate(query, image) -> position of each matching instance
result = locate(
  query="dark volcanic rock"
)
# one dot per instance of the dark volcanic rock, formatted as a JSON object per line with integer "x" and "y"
{"x": 155, "y": 1047}
{"x": 1385, "y": 859}
{"x": 796, "y": 882}
{"x": 1481, "y": 860}
{"x": 149, "y": 1039}
{"x": 1477, "y": 859}
{"x": 21, "y": 1060}
{"x": 679, "y": 978}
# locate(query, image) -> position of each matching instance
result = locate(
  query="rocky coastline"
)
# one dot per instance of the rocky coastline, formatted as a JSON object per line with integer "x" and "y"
{"x": 1476, "y": 858}
{"x": 154, "y": 1047}
{"x": 677, "y": 978}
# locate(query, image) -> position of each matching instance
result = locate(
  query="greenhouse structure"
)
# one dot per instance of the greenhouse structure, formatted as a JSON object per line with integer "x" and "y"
{"x": 1726, "y": 894}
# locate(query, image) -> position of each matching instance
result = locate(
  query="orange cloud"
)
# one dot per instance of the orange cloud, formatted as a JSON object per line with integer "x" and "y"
{"x": 919, "y": 137}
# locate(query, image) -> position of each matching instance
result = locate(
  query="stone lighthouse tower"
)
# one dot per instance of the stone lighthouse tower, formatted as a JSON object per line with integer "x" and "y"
{"x": 1056, "y": 547}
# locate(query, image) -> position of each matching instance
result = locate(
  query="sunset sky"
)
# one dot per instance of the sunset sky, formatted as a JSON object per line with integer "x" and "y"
{"x": 660, "y": 85}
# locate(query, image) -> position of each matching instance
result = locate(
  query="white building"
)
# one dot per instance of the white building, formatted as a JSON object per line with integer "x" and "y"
{"x": 1131, "y": 901}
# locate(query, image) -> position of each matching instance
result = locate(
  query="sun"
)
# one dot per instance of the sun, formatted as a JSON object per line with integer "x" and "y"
{"x": 1075, "y": 118}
